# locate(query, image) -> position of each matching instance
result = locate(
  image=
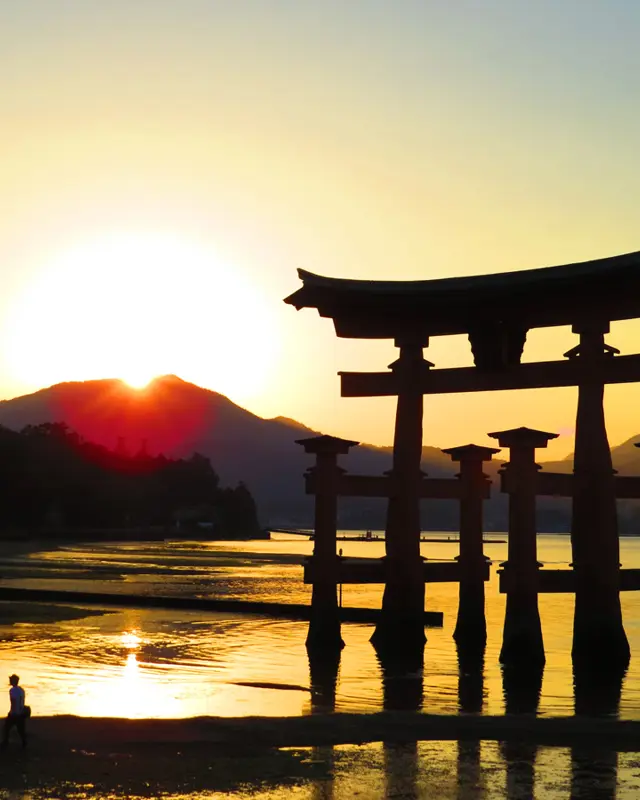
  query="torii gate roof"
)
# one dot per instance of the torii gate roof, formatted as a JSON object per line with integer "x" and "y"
{"x": 604, "y": 289}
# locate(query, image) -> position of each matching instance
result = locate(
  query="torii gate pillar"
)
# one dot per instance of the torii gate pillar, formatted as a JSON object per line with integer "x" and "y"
{"x": 400, "y": 628}
{"x": 599, "y": 638}
{"x": 324, "y": 626}
{"x": 471, "y": 626}
{"x": 522, "y": 643}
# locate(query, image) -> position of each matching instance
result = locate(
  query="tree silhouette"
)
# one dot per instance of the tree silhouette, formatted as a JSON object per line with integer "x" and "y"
{"x": 53, "y": 480}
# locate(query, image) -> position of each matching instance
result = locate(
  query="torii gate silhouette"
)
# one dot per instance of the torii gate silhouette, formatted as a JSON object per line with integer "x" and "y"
{"x": 496, "y": 311}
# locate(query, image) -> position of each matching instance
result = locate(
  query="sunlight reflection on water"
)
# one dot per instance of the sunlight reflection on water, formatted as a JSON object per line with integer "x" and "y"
{"x": 163, "y": 663}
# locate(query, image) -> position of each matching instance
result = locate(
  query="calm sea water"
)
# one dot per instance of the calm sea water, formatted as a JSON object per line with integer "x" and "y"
{"x": 161, "y": 663}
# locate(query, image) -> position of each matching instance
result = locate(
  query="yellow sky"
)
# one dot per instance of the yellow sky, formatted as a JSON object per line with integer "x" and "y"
{"x": 227, "y": 144}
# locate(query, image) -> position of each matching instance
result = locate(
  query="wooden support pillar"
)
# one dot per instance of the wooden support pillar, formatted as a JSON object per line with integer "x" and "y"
{"x": 522, "y": 643}
{"x": 324, "y": 637}
{"x": 401, "y": 624}
{"x": 471, "y": 626}
{"x": 599, "y": 639}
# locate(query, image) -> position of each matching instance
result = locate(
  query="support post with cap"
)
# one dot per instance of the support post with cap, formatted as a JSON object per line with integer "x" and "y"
{"x": 471, "y": 626}
{"x": 324, "y": 634}
{"x": 400, "y": 628}
{"x": 522, "y": 643}
{"x": 599, "y": 639}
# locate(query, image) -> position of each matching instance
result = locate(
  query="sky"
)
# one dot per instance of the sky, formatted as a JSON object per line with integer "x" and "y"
{"x": 165, "y": 167}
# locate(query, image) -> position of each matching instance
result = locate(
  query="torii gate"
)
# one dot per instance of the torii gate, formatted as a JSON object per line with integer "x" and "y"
{"x": 496, "y": 311}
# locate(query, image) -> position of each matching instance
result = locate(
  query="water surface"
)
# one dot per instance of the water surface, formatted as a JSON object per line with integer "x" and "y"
{"x": 162, "y": 663}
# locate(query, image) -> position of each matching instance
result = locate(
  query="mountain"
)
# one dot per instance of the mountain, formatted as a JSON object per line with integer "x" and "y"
{"x": 178, "y": 418}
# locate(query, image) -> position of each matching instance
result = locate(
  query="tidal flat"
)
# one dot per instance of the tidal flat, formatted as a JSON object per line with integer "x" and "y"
{"x": 12, "y": 613}
{"x": 245, "y": 758}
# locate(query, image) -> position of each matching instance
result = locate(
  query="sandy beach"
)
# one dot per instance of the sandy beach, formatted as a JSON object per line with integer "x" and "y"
{"x": 88, "y": 757}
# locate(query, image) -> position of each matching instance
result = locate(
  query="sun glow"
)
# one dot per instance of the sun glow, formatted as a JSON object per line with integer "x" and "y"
{"x": 137, "y": 379}
{"x": 136, "y": 307}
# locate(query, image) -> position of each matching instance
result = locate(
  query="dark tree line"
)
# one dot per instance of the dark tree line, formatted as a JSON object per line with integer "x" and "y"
{"x": 50, "y": 478}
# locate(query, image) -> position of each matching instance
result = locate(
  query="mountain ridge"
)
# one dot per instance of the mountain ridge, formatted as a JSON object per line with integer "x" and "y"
{"x": 178, "y": 418}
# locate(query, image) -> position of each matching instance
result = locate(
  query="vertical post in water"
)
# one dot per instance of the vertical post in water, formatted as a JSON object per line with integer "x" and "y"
{"x": 522, "y": 643}
{"x": 471, "y": 626}
{"x": 400, "y": 628}
{"x": 599, "y": 639}
{"x": 324, "y": 635}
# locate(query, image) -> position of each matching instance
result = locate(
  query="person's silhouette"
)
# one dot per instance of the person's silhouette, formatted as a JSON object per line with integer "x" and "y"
{"x": 17, "y": 713}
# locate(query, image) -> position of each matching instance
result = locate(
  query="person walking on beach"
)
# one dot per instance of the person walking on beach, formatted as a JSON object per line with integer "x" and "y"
{"x": 17, "y": 715}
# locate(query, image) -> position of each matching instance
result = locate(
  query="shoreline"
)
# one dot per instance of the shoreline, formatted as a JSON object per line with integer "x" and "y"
{"x": 331, "y": 729}
{"x": 273, "y": 757}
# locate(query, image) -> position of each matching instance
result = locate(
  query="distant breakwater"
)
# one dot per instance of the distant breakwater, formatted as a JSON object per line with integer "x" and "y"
{"x": 433, "y": 619}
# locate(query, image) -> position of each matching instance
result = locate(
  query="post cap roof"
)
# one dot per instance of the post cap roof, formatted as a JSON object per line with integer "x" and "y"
{"x": 327, "y": 444}
{"x": 472, "y": 452}
{"x": 525, "y": 437}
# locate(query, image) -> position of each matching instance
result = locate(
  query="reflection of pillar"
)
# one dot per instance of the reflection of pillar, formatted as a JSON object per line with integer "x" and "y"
{"x": 323, "y": 679}
{"x": 470, "y": 701}
{"x": 324, "y": 625}
{"x": 401, "y": 770}
{"x": 597, "y": 692}
{"x": 594, "y": 774}
{"x": 401, "y": 622}
{"x": 594, "y": 771}
{"x": 520, "y": 762}
{"x": 470, "y": 681}
{"x": 522, "y": 637}
{"x": 471, "y": 625}
{"x": 598, "y": 633}
{"x": 469, "y": 773}
{"x": 402, "y": 681}
{"x": 521, "y": 688}
{"x": 322, "y": 788}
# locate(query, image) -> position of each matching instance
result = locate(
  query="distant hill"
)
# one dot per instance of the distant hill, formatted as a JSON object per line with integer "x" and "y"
{"x": 178, "y": 418}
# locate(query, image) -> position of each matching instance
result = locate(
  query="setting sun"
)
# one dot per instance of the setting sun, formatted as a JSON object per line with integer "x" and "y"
{"x": 137, "y": 379}
{"x": 135, "y": 307}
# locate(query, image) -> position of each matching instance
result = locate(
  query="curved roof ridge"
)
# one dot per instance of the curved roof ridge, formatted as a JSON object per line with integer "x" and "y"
{"x": 514, "y": 277}
{"x": 605, "y": 289}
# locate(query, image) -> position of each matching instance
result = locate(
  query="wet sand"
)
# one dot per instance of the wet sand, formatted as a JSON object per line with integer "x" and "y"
{"x": 144, "y": 758}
